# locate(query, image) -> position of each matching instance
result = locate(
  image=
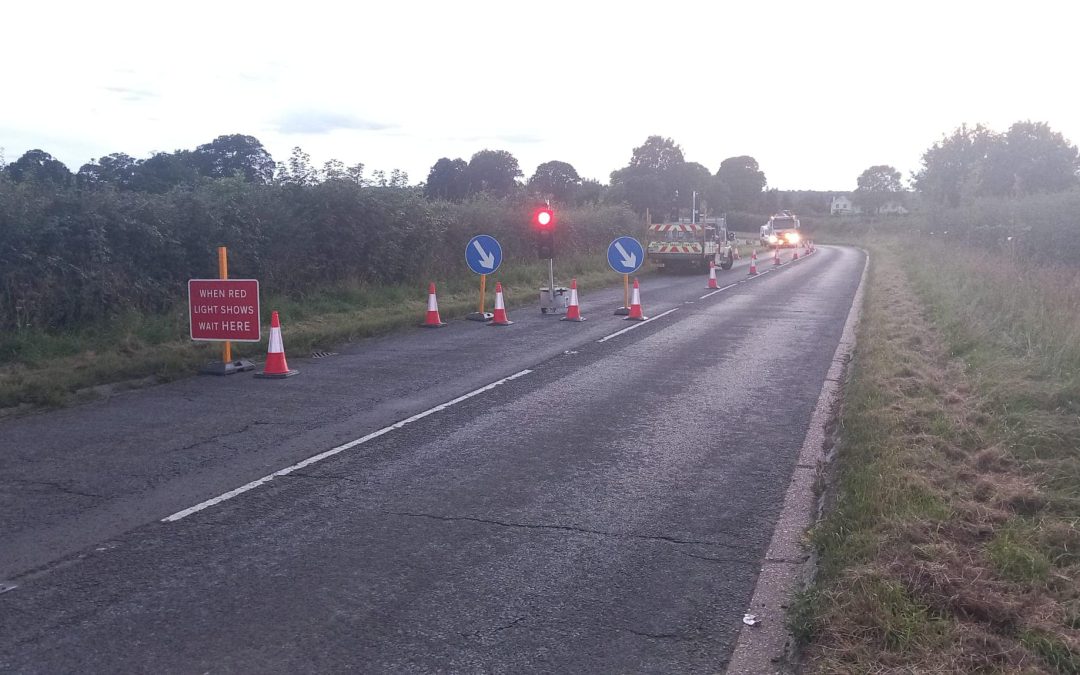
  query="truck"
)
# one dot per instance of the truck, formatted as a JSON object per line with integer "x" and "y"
{"x": 782, "y": 230}
{"x": 689, "y": 245}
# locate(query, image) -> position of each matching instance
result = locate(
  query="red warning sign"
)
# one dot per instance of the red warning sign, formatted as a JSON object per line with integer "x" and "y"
{"x": 224, "y": 309}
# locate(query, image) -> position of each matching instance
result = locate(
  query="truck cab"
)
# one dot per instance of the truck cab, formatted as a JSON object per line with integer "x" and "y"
{"x": 782, "y": 230}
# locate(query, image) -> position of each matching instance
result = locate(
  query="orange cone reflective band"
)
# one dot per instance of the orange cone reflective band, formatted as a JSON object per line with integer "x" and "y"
{"x": 573, "y": 312}
{"x": 500, "y": 308}
{"x": 712, "y": 276}
{"x": 276, "y": 367}
{"x": 753, "y": 263}
{"x": 635, "y": 305}
{"x": 432, "y": 320}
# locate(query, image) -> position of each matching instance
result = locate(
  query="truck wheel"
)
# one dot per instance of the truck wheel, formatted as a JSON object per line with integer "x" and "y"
{"x": 726, "y": 265}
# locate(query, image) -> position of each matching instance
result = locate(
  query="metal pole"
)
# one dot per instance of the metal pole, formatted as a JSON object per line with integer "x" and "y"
{"x": 626, "y": 290}
{"x": 223, "y": 273}
{"x": 551, "y": 282}
{"x": 483, "y": 287}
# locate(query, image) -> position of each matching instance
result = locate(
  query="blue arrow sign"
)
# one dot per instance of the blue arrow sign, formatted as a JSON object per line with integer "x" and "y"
{"x": 625, "y": 255}
{"x": 483, "y": 254}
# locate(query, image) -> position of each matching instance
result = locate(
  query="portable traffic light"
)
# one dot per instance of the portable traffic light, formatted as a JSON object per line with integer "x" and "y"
{"x": 543, "y": 226}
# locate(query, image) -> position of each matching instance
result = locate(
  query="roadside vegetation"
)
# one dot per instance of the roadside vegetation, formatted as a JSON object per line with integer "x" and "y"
{"x": 952, "y": 540}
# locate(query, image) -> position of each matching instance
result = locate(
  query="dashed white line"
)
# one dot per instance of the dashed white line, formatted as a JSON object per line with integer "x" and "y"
{"x": 640, "y": 323}
{"x": 333, "y": 451}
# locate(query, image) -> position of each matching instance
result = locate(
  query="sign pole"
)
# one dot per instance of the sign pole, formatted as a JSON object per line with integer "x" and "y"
{"x": 626, "y": 290}
{"x": 223, "y": 273}
{"x": 483, "y": 288}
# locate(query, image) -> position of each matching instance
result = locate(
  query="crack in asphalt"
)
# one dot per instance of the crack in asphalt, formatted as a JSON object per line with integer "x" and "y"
{"x": 496, "y": 629}
{"x": 57, "y": 485}
{"x": 655, "y": 636}
{"x": 745, "y": 561}
{"x": 565, "y": 528}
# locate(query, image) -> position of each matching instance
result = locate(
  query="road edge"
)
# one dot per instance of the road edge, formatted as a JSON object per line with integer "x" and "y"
{"x": 767, "y": 646}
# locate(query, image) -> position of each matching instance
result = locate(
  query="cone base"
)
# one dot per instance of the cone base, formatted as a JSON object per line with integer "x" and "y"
{"x": 432, "y": 325}
{"x": 276, "y": 376}
{"x": 576, "y": 318}
{"x": 501, "y": 323}
{"x": 622, "y": 311}
{"x": 636, "y": 318}
{"x": 712, "y": 287}
{"x": 480, "y": 316}
{"x": 222, "y": 368}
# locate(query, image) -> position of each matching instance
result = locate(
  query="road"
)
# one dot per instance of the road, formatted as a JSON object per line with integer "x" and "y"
{"x": 599, "y": 503}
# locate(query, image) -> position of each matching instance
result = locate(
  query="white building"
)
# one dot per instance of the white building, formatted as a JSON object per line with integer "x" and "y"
{"x": 893, "y": 208}
{"x": 843, "y": 206}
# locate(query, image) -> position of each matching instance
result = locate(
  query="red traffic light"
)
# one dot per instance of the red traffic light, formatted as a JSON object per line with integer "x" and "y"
{"x": 544, "y": 219}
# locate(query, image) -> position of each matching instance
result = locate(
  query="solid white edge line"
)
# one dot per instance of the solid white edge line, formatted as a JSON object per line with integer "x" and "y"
{"x": 640, "y": 323}
{"x": 333, "y": 451}
{"x": 711, "y": 293}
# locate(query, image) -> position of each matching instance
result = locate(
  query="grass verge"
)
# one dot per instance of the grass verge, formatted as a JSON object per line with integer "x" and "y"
{"x": 952, "y": 542}
{"x": 43, "y": 369}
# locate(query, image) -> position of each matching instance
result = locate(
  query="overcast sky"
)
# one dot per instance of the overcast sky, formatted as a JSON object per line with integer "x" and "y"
{"x": 816, "y": 91}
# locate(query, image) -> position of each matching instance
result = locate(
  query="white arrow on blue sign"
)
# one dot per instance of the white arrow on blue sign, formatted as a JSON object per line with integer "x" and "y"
{"x": 625, "y": 255}
{"x": 483, "y": 254}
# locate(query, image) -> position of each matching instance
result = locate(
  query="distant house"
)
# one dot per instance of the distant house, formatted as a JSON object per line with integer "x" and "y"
{"x": 843, "y": 206}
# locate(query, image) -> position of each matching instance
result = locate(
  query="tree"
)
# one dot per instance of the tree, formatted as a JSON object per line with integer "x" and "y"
{"x": 234, "y": 154}
{"x": 951, "y": 166}
{"x": 493, "y": 171}
{"x": 558, "y": 179}
{"x": 117, "y": 169}
{"x": 657, "y": 154}
{"x": 590, "y": 191}
{"x": 652, "y": 179}
{"x": 448, "y": 179}
{"x": 38, "y": 166}
{"x": 744, "y": 180}
{"x": 1030, "y": 157}
{"x": 334, "y": 169}
{"x": 877, "y": 186}
{"x": 164, "y": 171}
{"x": 298, "y": 170}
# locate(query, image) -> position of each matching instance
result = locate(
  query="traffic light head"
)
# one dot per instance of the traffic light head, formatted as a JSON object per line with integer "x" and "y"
{"x": 544, "y": 219}
{"x": 543, "y": 225}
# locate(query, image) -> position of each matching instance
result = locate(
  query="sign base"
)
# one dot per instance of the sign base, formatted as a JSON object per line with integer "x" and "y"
{"x": 622, "y": 311}
{"x": 480, "y": 316}
{"x": 222, "y": 368}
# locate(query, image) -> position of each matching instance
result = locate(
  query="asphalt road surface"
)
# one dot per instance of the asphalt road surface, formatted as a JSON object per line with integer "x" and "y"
{"x": 542, "y": 497}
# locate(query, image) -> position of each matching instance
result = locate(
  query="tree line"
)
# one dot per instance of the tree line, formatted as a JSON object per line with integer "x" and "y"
{"x": 977, "y": 162}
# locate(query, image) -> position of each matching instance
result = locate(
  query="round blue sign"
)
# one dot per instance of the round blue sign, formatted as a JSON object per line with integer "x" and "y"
{"x": 625, "y": 255}
{"x": 483, "y": 254}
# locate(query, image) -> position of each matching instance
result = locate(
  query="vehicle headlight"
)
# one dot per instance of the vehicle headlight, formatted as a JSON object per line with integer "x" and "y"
{"x": 773, "y": 239}
{"x": 792, "y": 237}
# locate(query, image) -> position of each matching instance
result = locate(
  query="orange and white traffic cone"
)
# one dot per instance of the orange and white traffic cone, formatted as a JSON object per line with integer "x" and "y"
{"x": 776, "y": 257}
{"x": 276, "y": 367}
{"x": 432, "y": 320}
{"x": 735, "y": 253}
{"x": 500, "y": 308}
{"x": 635, "y": 305}
{"x": 795, "y": 253}
{"x": 573, "y": 312}
{"x": 753, "y": 263}
{"x": 712, "y": 275}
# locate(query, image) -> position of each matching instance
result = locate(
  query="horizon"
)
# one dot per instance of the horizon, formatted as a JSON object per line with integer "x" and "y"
{"x": 399, "y": 88}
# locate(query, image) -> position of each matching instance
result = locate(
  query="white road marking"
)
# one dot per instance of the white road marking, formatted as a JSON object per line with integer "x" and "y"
{"x": 711, "y": 293}
{"x": 640, "y": 323}
{"x": 333, "y": 451}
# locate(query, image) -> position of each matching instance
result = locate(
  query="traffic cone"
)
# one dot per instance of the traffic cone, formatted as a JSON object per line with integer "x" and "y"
{"x": 712, "y": 275}
{"x": 795, "y": 253}
{"x": 573, "y": 312}
{"x": 276, "y": 367}
{"x": 753, "y": 263}
{"x": 635, "y": 305}
{"x": 500, "y": 308}
{"x": 433, "y": 320}
{"x": 735, "y": 253}
{"x": 776, "y": 257}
